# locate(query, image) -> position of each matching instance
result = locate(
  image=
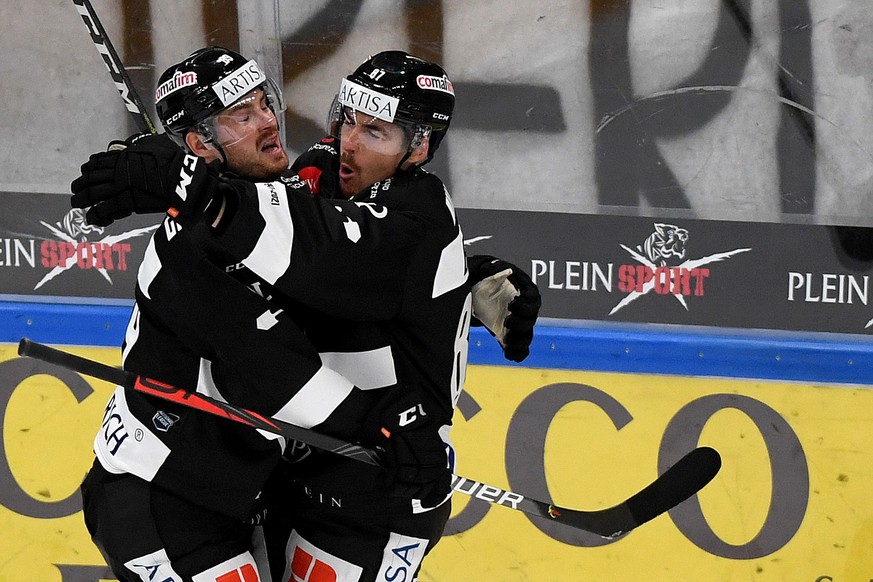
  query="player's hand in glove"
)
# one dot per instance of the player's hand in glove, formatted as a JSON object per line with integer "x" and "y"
{"x": 415, "y": 457}
{"x": 506, "y": 301}
{"x": 148, "y": 173}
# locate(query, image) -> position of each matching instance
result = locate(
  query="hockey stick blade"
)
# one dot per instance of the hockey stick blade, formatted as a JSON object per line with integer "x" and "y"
{"x": 194, "y": 400}
{"x": 688, "y": 476}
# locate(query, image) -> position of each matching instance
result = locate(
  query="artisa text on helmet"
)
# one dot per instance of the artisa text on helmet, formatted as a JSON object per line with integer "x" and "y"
{"x": 368, "y": 101}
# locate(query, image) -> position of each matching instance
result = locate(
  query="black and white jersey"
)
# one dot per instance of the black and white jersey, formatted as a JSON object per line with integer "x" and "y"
{"x": 383, "y": 275}
{"x": 197, "y": 328}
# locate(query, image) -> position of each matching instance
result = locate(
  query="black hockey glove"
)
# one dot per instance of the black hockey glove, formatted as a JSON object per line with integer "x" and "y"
{"x": 506, "y": 301}
{"x": 148, "y": 173}
{"x": 319, "y": 167}
{"x": 415, "y": 456}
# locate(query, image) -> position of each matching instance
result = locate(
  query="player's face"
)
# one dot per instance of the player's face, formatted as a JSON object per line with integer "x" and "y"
{"x": 248, "y": 132}
{"x": 370, "y": 151}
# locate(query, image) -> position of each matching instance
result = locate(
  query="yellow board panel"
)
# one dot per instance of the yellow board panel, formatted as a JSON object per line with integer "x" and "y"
{"x": 593, "y": 438}
{"x": 48, "y": 427}
{"x": 590, "y": 464}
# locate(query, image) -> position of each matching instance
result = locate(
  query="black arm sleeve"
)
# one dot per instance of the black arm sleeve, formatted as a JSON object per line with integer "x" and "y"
{"x": 258, "y": 356}
{"x": 339, "y": 256}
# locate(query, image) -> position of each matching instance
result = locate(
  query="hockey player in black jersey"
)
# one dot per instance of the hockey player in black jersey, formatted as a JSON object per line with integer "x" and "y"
{"x": 172, "y": 492}
{"x": 387, "y": 305}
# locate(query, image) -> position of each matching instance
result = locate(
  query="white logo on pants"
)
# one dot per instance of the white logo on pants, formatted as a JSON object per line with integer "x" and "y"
{"x": 401, "y": 558}
{"x": 153, "y": 567}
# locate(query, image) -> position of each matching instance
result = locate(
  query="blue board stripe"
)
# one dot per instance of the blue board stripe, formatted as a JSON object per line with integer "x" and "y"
{"x": 819, "y": 358}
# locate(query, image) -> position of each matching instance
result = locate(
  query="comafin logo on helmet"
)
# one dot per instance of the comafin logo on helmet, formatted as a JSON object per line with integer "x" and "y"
{"x": 435, "y": 83}
{"x": 176, "y": 82}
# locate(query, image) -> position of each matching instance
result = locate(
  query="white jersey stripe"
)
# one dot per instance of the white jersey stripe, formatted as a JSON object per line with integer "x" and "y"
{"x": 272, "y": 254}
{"x": 149, "y": 268}
{"x": 131, "y": 334}
{"x": 452, "y": 270}
{"x": 367, "y": 370}
{"x": 317, "y": 399}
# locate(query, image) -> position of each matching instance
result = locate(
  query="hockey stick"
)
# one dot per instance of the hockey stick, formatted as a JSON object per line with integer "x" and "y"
{"x": 688, "y": 476}
{"x": 113, "y": 64}
{"x": 195, "y": 400}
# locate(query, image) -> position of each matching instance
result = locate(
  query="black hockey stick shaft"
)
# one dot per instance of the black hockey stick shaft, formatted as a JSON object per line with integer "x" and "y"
{"x": 684, "y": 479}
{"x": 194, "y": 400}
{"x": 115, "y": 67}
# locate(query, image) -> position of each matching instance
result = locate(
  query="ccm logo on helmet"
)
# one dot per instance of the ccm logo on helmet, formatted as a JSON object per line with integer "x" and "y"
{"x": 435, "y": 83}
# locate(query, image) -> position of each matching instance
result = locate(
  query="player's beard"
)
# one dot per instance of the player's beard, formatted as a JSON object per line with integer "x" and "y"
{"x": 258, "y": 163}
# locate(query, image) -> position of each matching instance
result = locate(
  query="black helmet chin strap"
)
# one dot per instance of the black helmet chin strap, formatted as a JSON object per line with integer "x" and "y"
{"x": 419, "y": 135}
{"x": 403, "y": 159}
{"x": 223, "y": 156}
{"x": 207, "y": 133}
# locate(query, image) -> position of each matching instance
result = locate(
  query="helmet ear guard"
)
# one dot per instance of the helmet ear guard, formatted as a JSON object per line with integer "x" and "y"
{"x": 420, "y": 135}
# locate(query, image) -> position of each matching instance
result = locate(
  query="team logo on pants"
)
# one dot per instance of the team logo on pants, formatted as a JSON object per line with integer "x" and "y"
{"x": 154, "y": 566}
{"x": 401, "y": 558}
{"x": 311, "y": 564}
{"x": 240, "y": 568}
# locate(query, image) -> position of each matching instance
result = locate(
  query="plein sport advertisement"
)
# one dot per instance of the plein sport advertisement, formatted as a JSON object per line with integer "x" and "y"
{"x": 682, "y": 271}
{"x": 588, "y": 267}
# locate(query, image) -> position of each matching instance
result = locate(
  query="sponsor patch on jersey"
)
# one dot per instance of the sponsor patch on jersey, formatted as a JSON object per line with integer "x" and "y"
{"x": 178, "y": 81}
{"x": 311, "y": 175}
{"x": 238, "y": 83}
{"x": 367, "y": 101}
{"x": 431, "y": 83}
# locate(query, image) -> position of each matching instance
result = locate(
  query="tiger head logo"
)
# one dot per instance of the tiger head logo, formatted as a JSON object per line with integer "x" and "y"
{"x": 667, "y": 241}
{"x": 76, "y": 227}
